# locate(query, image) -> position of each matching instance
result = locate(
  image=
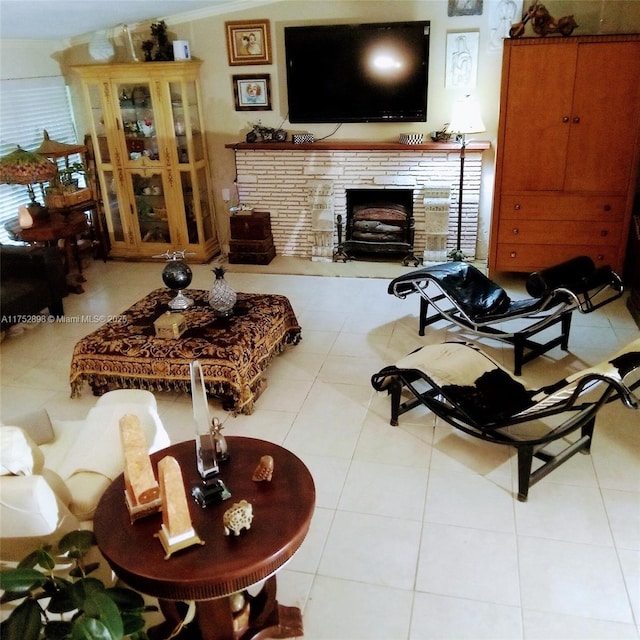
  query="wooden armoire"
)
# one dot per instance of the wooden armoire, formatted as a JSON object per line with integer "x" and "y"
{"x": 567, "y": 151}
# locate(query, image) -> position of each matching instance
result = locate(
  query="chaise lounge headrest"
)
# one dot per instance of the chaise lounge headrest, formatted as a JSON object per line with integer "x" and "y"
{"x": 579, "y": 275}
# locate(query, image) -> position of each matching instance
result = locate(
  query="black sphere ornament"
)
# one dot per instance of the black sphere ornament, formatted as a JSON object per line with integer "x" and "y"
{"x": 177, "y": 276}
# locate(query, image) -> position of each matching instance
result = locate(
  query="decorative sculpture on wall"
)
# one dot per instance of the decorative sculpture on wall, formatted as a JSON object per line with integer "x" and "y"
{"x": 542, "y": 22}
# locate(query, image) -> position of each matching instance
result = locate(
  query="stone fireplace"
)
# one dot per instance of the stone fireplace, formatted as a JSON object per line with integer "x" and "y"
{"x": 305, "y": 186}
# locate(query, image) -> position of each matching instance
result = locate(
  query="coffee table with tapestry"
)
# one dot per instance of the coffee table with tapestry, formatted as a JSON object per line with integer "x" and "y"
{"x": 233, "y": 352}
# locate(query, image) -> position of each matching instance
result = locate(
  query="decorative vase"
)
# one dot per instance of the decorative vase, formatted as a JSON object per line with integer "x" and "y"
{"x": 222, "y": 297}
{"x": 177, "y": 276}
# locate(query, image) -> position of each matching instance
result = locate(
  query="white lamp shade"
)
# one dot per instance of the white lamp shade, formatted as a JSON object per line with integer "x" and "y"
{"x": 466, "y": 117}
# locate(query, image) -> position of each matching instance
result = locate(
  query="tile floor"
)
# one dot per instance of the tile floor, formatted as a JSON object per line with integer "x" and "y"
{"x": 416, "y": 532}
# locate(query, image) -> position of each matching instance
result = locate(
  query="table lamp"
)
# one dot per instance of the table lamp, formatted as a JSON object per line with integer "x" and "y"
{"x": 28, "y": 168}
{"x": 465, "y": 119}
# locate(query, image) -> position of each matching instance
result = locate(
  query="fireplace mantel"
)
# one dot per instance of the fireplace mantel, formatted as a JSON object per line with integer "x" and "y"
{"x": 358, "y": 145}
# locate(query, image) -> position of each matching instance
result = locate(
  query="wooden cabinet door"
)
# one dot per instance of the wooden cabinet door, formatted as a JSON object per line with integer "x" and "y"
{"x": 604, "y": 121}
{"x": 536, "y": 111}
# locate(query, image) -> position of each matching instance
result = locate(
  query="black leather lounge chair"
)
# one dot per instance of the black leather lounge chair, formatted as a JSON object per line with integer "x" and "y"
{"x": 460, "y": 293}
{"x": 466, "y": 388}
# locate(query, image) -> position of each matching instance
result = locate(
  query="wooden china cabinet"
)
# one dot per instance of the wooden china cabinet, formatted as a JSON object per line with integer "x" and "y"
{"x": 151, "y": 157}
{"x": 567, "y": 151}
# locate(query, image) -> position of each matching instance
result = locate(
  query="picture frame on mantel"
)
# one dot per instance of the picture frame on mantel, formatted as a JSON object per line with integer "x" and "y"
{"x": 252, "y": 92}
{"x": 248, "y": 42}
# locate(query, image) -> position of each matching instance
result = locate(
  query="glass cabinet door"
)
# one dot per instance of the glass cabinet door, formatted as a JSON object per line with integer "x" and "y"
{"x": 186, "y": 122}
{"x": 138, "y": 121}
{"x": 150, "y": 206}
{"x": 94, "y": 92}
{"x": 112, "y": 206}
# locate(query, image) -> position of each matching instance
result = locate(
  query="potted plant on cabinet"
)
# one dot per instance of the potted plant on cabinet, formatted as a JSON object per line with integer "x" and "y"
{"x": 64, "y": 191}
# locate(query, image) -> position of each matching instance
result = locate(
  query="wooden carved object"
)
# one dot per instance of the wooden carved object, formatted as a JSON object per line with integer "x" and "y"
{"x": 141, "y": 489}
{"x": 264, "y": 470}
{"x": 177, "y": 532}
{"x": 542, "y": 22}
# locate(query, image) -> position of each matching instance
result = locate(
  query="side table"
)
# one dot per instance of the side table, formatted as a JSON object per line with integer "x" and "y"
{"x": 50, "y": 230}
{"x": 224, "y": 565}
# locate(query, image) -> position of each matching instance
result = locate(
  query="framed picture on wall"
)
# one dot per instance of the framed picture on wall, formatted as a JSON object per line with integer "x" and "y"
{"x": 462, "y": 60}
{"x": 252, "y": 92}
{"x": 248, "y": 42}
{"x": 464, "y": 8}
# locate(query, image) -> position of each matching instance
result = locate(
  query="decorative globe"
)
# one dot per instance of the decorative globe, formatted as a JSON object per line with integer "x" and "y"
{"x": 177, "y": 275}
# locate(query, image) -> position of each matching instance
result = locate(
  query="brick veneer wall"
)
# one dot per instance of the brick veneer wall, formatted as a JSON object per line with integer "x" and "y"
{"x": 305, "y": 190}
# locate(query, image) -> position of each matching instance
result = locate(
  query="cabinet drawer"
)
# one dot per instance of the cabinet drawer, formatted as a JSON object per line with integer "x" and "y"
{"x": 256, "y": 226}
{"x": 562, "y": 207}
{"x": 532, "y": 257}
{"x": 559, "y": 233}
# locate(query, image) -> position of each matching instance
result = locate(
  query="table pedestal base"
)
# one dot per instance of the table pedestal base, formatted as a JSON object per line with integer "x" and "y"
{"x": 215, "y": 621}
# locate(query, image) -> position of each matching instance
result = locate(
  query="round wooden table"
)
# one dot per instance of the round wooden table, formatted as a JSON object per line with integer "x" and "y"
{"x": 58, "y": 227}
{"x": 224, "y": 565}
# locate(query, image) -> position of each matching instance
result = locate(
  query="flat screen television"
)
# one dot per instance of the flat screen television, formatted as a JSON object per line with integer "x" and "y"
{"x": 358, "y": 72}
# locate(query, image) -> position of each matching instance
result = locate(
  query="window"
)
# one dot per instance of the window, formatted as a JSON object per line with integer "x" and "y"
{"x": 28, "y": 107}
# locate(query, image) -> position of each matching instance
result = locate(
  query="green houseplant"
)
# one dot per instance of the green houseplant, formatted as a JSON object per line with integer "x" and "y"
{"x": 77, "y": 607}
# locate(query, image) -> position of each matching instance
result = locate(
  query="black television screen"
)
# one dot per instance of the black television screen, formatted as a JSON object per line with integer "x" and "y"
{"x": 358, "y": 72}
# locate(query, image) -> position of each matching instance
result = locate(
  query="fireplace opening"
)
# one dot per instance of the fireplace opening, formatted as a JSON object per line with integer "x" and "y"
{"x": 379, "y": 222}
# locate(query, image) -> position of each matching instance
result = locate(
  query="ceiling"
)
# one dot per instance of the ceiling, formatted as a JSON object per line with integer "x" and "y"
{"x": 60, "y": 19}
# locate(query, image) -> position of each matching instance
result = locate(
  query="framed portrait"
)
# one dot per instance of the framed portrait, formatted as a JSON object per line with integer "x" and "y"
{"x": 464, "y": 8}
{"x": 252, "y": 92}
{"x": 462, "y": 60}
{"x": 249, "y": 42}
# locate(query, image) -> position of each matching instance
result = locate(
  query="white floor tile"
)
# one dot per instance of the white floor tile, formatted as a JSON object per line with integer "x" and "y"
{"x": 417, "y": 532}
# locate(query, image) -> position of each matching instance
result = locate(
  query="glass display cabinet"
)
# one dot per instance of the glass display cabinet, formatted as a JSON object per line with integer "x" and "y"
{"x": 151, "y": 157}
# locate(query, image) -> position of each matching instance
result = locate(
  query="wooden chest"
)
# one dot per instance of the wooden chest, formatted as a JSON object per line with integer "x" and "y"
{"x": 259, "y": 252}
{"x": 251, "y": 239}
{"x": 256, "y": 226}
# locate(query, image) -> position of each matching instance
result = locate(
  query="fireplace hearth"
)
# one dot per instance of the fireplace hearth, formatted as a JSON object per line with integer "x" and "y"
{"x": 379, "y": 222}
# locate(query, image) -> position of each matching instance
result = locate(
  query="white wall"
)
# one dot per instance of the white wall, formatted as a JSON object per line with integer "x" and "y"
{"x": 206, "y": 35}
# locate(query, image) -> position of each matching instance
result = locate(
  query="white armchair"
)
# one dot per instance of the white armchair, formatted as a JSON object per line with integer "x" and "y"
{"x": 53, "y": 487}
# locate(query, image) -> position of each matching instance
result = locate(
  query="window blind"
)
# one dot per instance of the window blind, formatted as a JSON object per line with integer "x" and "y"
{"x": 28, "y": 107}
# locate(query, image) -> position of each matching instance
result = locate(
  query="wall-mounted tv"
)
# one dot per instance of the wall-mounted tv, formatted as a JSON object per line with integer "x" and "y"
{"x": 358, "y": 72}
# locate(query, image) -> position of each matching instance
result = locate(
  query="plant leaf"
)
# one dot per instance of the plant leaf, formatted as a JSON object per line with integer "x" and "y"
{"x": 91, "y": 629}
{"x": 21, "y": 580}
{"x": 30, "y": 561}
{"x": 100, "y": 606}
{"x": 45, "y": 559}
{"x": 126, "y": 599}
{"x": 58, "y": 629}
{"x": 24, "y": 623}
{"x": 77, "y": 543}
{"x": 132, "y": 623}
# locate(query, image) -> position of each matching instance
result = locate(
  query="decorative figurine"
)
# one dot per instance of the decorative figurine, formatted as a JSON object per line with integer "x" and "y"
{"x": 220, "y": 442}
{"x": 141, "y": 489}
{"x": 177, "y": 532}
{"x": 542, "y": 22}
{"x": 209, "y": 441}
{"x": 264, "y": 470}
{"x": 237, "y": 517}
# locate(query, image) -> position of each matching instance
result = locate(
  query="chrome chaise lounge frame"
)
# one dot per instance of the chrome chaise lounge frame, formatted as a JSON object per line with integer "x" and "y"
{"x": 461, "y": 294}
{"x": 466, "y": 388}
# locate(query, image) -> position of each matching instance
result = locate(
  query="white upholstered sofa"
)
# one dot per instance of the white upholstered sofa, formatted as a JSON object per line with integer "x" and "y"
{"x": 51, "y": 482}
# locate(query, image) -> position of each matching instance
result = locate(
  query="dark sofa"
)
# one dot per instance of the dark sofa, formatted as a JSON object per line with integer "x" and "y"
{"x": 31, "y": 279}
